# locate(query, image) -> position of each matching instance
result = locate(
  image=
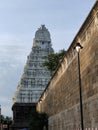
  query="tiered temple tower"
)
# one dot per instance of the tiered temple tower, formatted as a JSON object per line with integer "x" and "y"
{"x": 34, "y": 79}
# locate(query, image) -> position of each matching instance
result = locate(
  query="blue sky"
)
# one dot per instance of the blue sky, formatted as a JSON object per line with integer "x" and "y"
{"x": 19, "y": 20}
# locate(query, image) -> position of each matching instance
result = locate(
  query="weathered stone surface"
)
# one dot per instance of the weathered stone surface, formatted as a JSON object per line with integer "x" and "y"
{"x": 61, "y": 98}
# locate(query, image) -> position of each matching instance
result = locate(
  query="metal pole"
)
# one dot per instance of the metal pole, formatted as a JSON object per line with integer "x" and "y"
{"x": 80, "y": 91}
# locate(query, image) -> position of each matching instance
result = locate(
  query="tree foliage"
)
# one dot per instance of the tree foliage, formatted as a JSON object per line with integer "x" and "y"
{"x": 53, "y": 60}
{"x": 6, "y": 120}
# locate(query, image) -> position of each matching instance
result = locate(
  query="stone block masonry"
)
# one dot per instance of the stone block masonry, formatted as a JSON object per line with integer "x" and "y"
{"x": 60, "y": 100}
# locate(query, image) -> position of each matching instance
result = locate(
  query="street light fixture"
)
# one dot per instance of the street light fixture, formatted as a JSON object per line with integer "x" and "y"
{"x": 78, "y": 47}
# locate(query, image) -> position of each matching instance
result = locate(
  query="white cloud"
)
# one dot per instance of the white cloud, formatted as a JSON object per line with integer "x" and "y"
{"x": 19, "y": 19}
{"x": 12, "y": 62}
{"x": 3, "y": 99}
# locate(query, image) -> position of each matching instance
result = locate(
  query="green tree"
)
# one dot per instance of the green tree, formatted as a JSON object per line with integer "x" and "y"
{"x": 6, "y": 120}
{"x": 53, "y": 60}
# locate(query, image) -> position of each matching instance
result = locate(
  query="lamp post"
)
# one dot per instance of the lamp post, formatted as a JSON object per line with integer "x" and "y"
{"x": 78, "y": 47}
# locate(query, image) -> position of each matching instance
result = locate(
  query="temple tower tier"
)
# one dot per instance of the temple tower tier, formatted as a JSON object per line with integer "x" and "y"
{"x": 35, "y": 76}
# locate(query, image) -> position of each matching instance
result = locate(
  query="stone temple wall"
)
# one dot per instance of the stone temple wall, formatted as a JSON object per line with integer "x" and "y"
{"x": 60, "y": 100}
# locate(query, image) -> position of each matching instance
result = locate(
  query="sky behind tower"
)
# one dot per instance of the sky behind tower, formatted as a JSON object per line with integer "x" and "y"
{"x": 19, "y": 20}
